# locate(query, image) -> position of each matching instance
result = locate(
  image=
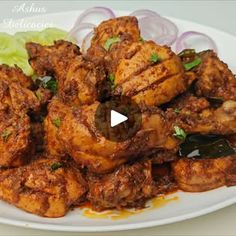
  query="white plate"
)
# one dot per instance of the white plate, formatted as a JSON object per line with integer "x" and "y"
{"x": 187, "y": 206}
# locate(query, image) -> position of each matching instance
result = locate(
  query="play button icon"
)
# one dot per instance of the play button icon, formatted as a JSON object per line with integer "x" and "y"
{"x": 118, "y": 119}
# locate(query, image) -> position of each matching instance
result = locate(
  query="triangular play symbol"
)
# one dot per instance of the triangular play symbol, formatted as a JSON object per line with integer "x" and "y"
{"x": 117, "y": 118}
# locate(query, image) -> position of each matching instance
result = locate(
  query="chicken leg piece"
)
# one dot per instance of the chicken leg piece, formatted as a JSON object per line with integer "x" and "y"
{"x": 79, "y": 137}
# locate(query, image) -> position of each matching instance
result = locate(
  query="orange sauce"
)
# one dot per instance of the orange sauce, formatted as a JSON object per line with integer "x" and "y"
{"x": 125, "y": 213}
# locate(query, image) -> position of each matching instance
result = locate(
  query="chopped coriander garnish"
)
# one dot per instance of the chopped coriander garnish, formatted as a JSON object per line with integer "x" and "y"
{"x": 51, "y": 85}
{"x": 5, "y": 134}
{"x": 179, "y": 133}
{"x": 190, "y": 65}
{"x": 177, "y": 110}
{"x": 111, "y": 41}
{"x": 112, "y": 79}
{"x": 57, "y": 122}
{"x": 154, "y": 58}
{"x": 141, "y": 39}
{"x": 56, "y": 166}
{"x": 48, "y": 82}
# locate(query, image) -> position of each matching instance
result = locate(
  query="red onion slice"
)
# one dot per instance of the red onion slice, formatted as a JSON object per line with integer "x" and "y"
{"x": 80, "y": 31}
{"x": 181, "y": 42}
{"x": 144, "y": 13}
{"x": 95, "y": 15}
{"x": 159, "y": 29}
{"x": 86, "y": 42}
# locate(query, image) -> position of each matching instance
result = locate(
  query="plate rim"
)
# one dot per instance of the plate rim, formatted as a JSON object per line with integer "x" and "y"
{"x": 128, "y": 226}
{"x": 120, "y": 227}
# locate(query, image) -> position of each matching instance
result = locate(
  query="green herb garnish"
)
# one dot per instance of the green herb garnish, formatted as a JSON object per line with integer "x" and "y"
{"x": 154, "y": 58}
{"x": 48, "y": 82}
{"x": 112, "y": 80}
{"x": 111, "y": 41}
{"x": 51, "y": 85}
{"x": 57, "y": 122}
{"x": 5, "y": 134}
{"x": 179, "y": 133}
{"x": 190, "y": 65}
{"x": 177, "y": 110}
{"x": 56, "y": 166}
{"x": 141, "y": 39}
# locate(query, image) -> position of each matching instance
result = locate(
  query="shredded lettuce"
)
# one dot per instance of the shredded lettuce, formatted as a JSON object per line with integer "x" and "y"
{"x": 13, "y": 51}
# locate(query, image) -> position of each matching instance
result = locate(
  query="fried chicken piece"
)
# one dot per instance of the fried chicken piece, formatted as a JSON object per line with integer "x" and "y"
{"x": 83, "y": 84}
{"x": 150, "y": 74}
{"x": 15, "y": 142}
{"x": 16, "y": 102}
{"x": 214, "y": 78}
{"x": 17, "y": 97}
{"x": 206, "y": 174}
{"x": 78, "y": 136}
{"x": 56, "y": 113}
{"x": 129, "y": 186}
{"x": 125, "y": 27}
{"x": 79, "y": 80}
{"x": 15, "y": 74}
{"x": 44, "y": 187}
{"x": 50, "y": 59}
{"x": 195, "y": 115}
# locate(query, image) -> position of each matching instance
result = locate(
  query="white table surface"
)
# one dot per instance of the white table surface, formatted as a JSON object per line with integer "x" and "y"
{"x": 219, "y": 14}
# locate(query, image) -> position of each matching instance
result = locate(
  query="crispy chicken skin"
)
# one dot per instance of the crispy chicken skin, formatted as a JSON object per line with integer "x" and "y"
{"x": 79, "y": 80}
{"x": 146, "y": 81}
{"x": 128, "y": 186}
{"x": 42, "y": 190}
{"x": 214, "y": 78}
{"x": 78, "y": 136}
{"x": 205, "y": 174}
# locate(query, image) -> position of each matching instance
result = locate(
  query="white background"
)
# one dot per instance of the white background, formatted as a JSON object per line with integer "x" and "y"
{"x": 219, "y": 14}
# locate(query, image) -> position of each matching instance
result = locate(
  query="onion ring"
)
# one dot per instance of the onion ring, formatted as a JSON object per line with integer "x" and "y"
{"x": 104, "y": 11}
{"x": 159, "y": 29}
{"x": 139, "y": 14}
{"x": 181, "y": 43}
{"x": 86, "y": 42}
{"x": 75, "y": 32}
